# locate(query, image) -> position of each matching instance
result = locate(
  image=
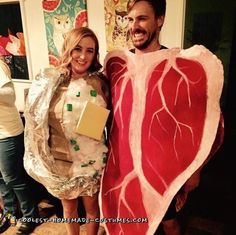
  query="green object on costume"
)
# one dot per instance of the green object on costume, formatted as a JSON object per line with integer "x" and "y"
{"x": 76, "y": 147}
{"x": 84, "y": 165}
{"x": 93, "y": 93}
{"x": 69, "y": 107}
{"x": 104, "y": 159}
{"x": 95, "y": 174}
{"x": 91, "y": 162}
{"x": 73, "y": 142}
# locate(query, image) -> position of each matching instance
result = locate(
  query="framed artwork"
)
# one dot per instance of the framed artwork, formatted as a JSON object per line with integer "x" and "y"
{"x": 60, "y": 16}
{"x": 116, "y": 24}
{"x": 12, "y": 42}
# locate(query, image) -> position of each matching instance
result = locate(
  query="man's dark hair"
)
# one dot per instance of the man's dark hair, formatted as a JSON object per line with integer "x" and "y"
{"x": 159, "y": 6}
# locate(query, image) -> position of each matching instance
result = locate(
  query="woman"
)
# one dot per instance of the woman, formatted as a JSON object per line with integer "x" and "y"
{"x": 74, "y": 162}
{"x": 13, "y": 184}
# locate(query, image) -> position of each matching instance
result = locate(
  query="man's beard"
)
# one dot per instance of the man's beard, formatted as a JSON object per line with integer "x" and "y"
{"x": 146, "y": 43}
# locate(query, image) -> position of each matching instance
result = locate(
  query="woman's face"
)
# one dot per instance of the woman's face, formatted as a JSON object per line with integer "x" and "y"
{"x": 82, "y": 56}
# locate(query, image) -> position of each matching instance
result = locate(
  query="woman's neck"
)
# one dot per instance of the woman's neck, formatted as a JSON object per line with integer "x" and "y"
{"x": 78, "y": 76}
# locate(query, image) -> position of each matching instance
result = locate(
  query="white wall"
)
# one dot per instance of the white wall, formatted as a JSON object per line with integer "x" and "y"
{"x": 96, "y": 21}
{"x": 173, "y": 29}
{"x": 36, "y": 42}
{"x": 35, "y": 33}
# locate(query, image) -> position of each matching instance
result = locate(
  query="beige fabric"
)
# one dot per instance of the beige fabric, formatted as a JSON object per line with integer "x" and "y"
{"x": 58, "y": 142}
{"x": 63, "y": 167}
{"x": 10, "y": 121}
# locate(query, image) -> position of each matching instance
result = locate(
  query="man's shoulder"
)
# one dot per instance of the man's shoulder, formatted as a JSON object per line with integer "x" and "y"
{"x": 162, "y": 47}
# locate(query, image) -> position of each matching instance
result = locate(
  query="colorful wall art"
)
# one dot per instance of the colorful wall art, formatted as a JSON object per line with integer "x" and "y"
{"x": 12, "y": 42}
{"x": 60, "y": 16}
{"x": 116, "y": 24}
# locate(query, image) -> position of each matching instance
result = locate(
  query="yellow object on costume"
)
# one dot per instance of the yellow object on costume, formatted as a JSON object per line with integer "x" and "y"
{"x": 92, "y": 121}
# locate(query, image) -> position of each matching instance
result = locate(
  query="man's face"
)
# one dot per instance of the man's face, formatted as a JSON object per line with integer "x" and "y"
{"x": 144, "y": 27}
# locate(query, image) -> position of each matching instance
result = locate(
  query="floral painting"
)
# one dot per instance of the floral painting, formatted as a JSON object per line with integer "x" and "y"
{"x": 60, "y": 16}
{"x": 12, "y": 42}
{"x": 116, "y": 24}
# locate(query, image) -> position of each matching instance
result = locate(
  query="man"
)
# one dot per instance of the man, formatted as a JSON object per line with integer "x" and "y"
{"x": 134, "y": 91}
{"x": 146, "y": 19}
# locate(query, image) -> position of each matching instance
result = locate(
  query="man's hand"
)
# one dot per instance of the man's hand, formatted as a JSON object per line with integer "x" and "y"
{"x": 189, "y": 186}
{"x": 192, "y": 182}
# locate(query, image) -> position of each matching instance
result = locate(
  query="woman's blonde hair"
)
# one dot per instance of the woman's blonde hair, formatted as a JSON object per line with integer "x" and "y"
{"x": 72, "y": 39}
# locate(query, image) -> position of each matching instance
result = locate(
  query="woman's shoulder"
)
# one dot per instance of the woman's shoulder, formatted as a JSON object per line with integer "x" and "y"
{"x": 48, "y": 73}
{"x": 99, "y": 77}
{"x": 5, "y": 75}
